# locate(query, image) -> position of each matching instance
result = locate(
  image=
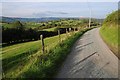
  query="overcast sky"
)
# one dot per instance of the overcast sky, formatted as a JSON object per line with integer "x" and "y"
{"x": 20, "y": 8}
{"x": 59, "y": 0}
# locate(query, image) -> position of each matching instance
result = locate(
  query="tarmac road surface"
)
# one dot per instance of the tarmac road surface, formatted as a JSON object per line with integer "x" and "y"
{"x": 90, "y": 58}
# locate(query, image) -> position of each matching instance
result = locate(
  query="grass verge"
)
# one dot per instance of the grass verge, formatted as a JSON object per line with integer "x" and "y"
{"x": 110, "y": 36}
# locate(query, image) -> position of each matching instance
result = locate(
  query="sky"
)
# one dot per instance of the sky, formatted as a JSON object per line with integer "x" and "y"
{"x": 52, "y": 8}
{"x": 59, "y": 0}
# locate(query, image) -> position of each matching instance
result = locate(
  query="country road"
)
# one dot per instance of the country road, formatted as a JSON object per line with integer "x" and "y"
{"x": 90, "y": 58}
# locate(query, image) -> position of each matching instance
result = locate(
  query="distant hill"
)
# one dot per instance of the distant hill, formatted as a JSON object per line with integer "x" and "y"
{"x": 10, "y": 19}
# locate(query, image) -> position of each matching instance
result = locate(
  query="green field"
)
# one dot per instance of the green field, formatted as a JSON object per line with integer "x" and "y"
{"x": 26, "y": 25}
{"x": 32, "y": 25}
{"x": 50, "y": 29}
{"x": 17, "y": 58}
{"x": 50, "y": 24}
{"x": 6, "y": 25}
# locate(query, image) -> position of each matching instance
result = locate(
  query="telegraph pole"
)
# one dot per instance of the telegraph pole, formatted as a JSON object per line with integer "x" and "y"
{"x": 90, "y": 14}
{"x": 90, "y": 18}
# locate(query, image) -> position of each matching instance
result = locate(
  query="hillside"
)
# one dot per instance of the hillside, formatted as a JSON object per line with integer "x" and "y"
{"x": 10, "y": 19}
{"x": 42, "y": 19}
{"x": 109, "y": 31}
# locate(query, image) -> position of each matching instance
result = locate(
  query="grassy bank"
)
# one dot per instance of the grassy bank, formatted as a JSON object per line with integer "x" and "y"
{"x": 50, "y": 29}
{"x": 109, "y": 32}
{"x": 110, "y": 36}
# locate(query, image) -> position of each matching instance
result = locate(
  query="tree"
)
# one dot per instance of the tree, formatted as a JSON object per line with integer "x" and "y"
{"x": 18, "y": 25}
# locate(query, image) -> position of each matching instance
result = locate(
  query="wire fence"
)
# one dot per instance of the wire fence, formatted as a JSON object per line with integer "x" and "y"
{"x": 70, "y": 32}
{"x": 32, "y": 56}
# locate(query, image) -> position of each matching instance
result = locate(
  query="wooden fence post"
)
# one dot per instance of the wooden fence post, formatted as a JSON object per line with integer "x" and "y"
{"x": 46, "y": 48}
{"x": 42, "y": 42}
{"x": 59, "y": 36}
{"x": 74, "y": 29}
{"x": 70, "y": 31}
{"x": 66, "y": 32}
{"x": 79, "y": 29}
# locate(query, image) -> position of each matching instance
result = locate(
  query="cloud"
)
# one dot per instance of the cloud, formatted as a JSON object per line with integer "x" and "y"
{"x": 48, "y": 13}
{"x": 39, "y": 9}
{"x": 40, "y": 15}
{"x": 52, "y": 12}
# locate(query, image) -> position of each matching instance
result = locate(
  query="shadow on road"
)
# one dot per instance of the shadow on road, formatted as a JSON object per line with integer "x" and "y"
{"x": 85, "y": 58}
{"x": 84, "y": 45}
